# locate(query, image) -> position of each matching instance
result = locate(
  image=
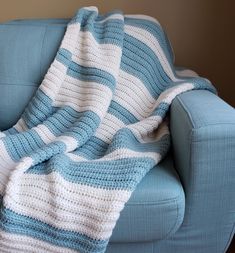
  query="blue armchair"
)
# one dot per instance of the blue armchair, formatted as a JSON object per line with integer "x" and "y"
{"x": 186, "y": 204}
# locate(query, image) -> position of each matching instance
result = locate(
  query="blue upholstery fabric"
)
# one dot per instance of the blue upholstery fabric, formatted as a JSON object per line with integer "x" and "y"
{"x": 203, "y": 137}
{"x": 156, "y": 208}
{"x": 26, "y": 52}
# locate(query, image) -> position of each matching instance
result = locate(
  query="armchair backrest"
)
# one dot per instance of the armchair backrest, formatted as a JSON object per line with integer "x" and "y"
{"x": 27, "y": 48}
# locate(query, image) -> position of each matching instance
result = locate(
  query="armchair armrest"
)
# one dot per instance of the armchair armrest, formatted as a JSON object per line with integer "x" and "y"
{"x": 203, "y": 137}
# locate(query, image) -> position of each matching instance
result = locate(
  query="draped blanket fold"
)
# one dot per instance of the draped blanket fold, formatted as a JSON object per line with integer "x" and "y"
{"x": 96, "y": 125}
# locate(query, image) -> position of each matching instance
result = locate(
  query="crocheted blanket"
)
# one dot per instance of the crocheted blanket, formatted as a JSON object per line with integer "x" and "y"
{"x": 96, "y": 125}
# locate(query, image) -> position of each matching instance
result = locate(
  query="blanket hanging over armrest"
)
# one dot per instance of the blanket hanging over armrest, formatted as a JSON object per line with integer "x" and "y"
{"x": 96, "y": 125}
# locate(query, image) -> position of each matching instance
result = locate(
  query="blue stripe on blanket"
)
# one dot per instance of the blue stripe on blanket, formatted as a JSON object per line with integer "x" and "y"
{"x": 156, "y": 30}
{"x": 124, "y": 138}
{"x": 83, "y": 129}
{"x": 121, "y": 113}
{"x": 38, "y": 109}
{"x": 80, "y": 130}
{"x": 22, "y": 144}
{"x": 10, "y": 131}
{"x": 113, "y": 35}
{"x": 98, "y": 173}
{"x": 202, "y": 83}
{"x": 47, "y": 151}
{"x": 125, "y": 175}
{"x": 85, "y": 73}
{"x": 161, "y": 110}
{"x": 15, "y": 223}
{"x": 146, "y": 57}
{"x": 64, "y": 120}
{"x": 94, "y": 148}
{"x": 145, "y": 70}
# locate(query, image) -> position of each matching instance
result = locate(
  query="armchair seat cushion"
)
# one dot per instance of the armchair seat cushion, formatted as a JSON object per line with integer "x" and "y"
{"x": 156, "y": 208}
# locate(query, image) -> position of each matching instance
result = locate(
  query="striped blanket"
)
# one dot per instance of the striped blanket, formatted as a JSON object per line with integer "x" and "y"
{"x": 96, "y": 125}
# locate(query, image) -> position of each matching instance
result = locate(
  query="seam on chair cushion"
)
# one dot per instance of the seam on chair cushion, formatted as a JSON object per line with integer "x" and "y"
{"x": 28, "y": 24}
{"x": 42, "y": 47}
{"x": 170, "y": 230}
{"x": 20, "y": 84}
{"x": 189, "y": 116}
{"x": 175, "y": 224}
{"x": 167, "y": 201}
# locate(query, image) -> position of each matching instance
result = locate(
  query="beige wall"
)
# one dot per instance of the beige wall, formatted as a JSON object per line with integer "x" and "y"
{"x": 202, "y": 32}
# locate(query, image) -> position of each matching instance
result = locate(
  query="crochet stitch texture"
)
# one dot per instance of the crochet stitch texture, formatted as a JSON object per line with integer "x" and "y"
{"x": 96, "y": 125}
